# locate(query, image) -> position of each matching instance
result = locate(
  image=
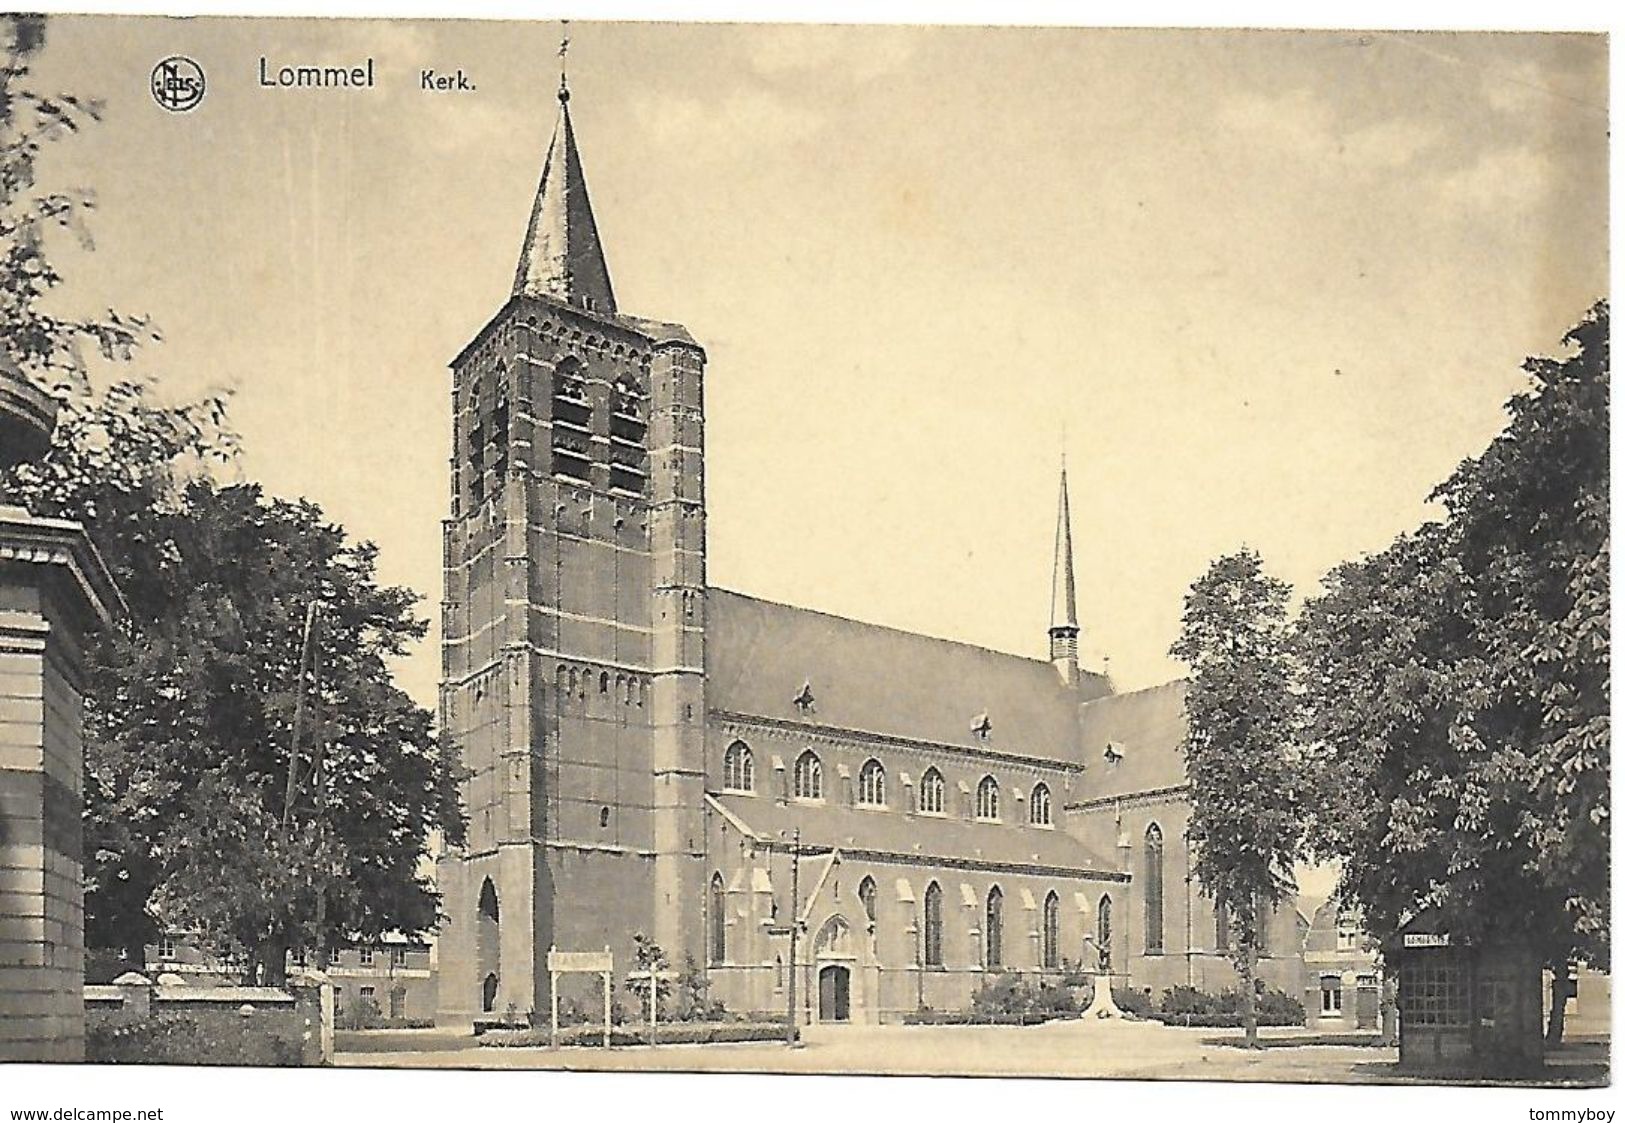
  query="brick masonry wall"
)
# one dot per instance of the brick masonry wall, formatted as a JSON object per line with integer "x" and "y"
{"x": 41, "y": 894}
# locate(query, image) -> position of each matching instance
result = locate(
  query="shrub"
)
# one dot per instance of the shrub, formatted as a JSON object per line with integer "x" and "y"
{"x": 1187, "y": 1006}
{"x": 1135, "y": 1002}
{"x": 176, "y": 1040}
{"x": 674, "y": 1033}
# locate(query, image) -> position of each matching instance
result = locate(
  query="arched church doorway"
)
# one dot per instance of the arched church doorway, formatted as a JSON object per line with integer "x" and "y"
{"x": 488, "y": 945}
{"x": 834, "y": 994}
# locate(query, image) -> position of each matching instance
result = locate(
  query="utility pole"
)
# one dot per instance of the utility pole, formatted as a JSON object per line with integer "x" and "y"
{"x": 793, "y": 1030}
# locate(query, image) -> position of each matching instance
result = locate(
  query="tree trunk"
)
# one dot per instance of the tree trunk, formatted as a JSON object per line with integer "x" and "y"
{"x": 1562, "y": 988}
{"x": 273, "y": 963}
{"x": 1249, "y": 993}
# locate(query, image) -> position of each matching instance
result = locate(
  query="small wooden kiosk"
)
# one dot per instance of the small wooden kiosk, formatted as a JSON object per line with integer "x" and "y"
{"x": 1466, "y": 1004}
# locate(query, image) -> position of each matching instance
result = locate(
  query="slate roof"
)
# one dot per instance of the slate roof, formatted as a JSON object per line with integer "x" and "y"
{"x": 1147, "y": 727}
{"x": 880, "y": 680}
{"x": 562, "y": 256}
{"x": 926, "y": 839}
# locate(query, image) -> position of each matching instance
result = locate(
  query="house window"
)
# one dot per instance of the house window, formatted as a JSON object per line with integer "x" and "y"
{"x": 1038, "y": 813}
{"x": 1348, "y": 933}
{"x": 994, "y": 930}
{"x": 719, "y": 920}
{"x": 738, "y": 768}
{"x": 987, "y": 798}
{"x": 932, "y": 789}
{"x": 166, "y": 946}
{"x": 1153, "y": 890}
{"x": 1103, "y": 931}
{"x": 1433, "y": 992}
{"x": 933, "y": 925}
{"x": 872, "y": 784}
{"x": 1331, "y": 996}
{"x": 1052, "y": 931}
{"x": 809, "y": 776}
{"x": 867, "y": 895}
{"x": 1221, "y": 926}
{"x": 397, "y": 957}
{"x": 368, "y": 992}
{"x": 366, "y": 957}
{"x": 1263, "y": 910}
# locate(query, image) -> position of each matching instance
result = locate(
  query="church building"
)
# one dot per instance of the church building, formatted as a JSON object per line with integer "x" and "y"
{"x": 648, "y": 754}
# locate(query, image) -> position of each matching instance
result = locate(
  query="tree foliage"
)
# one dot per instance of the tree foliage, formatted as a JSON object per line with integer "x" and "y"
{"x": 1241, "y": 749}
{"x": 1458, "y": 685}
{"x": 190, "y": 698}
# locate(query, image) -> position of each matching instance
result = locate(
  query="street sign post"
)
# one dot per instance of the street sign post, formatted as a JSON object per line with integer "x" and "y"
{"x": 600, "y": 963}
{"x": 655, "y": 979}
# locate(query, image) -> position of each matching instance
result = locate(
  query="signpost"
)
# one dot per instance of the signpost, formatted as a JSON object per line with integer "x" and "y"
{"x": 655, "y": 979}
{"x": 1427, "y": 939}
{"x": 600, "y": 963}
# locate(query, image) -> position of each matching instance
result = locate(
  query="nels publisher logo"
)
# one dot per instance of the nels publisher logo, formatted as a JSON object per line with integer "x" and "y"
{"x": 177, "y": 83}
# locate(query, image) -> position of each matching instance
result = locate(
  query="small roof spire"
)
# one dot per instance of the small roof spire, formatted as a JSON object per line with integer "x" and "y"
{"x": 1063, "y": 609}
{"x": 562, "y": 257}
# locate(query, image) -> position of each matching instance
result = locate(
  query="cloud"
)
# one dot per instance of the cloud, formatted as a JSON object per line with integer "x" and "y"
{"x": 1300, "y": 123}
{"x": 864, "y": 53}
{"x": 1501, "y": 181}
{"x": 740, "y": 119}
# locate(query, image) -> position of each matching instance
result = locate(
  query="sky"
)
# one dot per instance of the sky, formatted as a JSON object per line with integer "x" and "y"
{"x": 1265, "y": 288}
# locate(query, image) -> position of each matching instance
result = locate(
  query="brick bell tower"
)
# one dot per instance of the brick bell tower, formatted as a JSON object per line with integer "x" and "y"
{"x": 574, "y": 623}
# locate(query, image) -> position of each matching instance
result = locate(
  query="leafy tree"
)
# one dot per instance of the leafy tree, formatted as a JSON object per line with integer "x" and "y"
{"x": 119, "y": 454}
{"x": 649, "y": 956}
{"x": 1241, "y": 754}
{"x": 1458, "y": 687}
{"x": 197, "y": 724}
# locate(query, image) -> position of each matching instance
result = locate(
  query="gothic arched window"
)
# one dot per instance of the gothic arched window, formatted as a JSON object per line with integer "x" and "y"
{"x": 1153, "y": 890}
{"x": 1103, "y": 931}
{"x": 809, "y": 776}
{"x": 1221, "y": 926}
{"x": 931, "y": 792}
{"x": 1038, "y": 812}
{"x": 872, "y": 784}
{"x": 1052, "y": 931}
{"x": 993, "y": 934}
{"x": 987, "y": 798}
{"x": 738, "y": 768}
{"x": 933, "y": 925}
{"x": 719, "y": 920}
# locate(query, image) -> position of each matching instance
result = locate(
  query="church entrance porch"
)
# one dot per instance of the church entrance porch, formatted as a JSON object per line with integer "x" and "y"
{"x": 834, "y": 994}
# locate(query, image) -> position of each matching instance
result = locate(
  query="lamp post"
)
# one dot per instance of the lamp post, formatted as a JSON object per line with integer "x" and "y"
{"x": 792, "y": 1033}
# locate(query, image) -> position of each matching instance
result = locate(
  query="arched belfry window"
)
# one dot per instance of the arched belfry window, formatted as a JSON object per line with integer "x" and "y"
{"x": 719, "y": 920}
{"x": 809, "y": 776}
{"x": 1038, "y": 812}
{"x": 572, "y": 421}
{"x": 1153, "y": 890}
{"x": 993, "y": 933}
{"x": 872, "y": 784}
{"x": 738, "y": 768}
{"x": 932, "y": 791}
{"x": 1052, "y": 931}
{"x": 933, "y": 925}
{"x": 987, "y": 798}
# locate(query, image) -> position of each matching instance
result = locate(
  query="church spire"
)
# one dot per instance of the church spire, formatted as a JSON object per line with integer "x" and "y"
{"x": 562, "y": 258}
{"x": 1063, "y": 609}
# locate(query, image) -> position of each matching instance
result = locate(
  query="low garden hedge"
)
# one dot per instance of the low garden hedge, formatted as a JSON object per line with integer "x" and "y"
{"x": 176, "y": 1040}
{"x": 673, "y": 1033}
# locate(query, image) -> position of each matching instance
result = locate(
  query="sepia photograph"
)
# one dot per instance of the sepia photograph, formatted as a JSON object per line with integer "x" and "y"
{"x": 943, "y": 550}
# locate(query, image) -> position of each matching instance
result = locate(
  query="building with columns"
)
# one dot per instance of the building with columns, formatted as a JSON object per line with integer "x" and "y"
{"x": 649, "y": 754}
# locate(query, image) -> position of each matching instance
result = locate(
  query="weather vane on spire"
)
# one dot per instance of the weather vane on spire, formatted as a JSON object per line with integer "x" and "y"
{"x": 564, "y": 51}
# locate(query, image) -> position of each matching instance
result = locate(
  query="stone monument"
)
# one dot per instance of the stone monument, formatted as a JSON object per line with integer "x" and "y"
{"x": 53, "y": 589}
